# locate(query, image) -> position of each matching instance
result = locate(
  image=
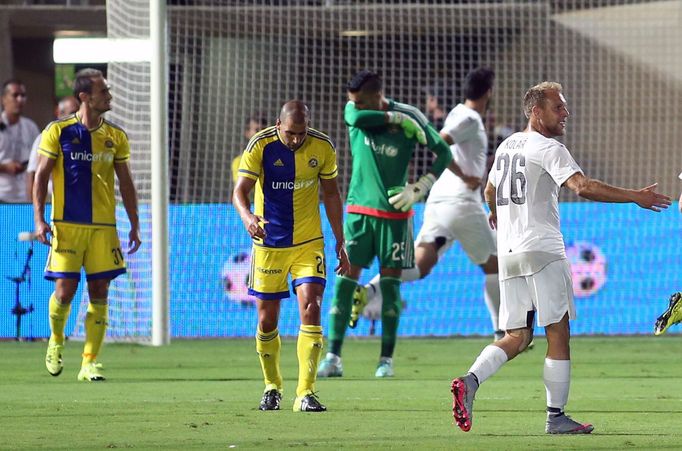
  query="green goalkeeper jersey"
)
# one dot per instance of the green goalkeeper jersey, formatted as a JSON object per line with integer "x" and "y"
{"x": 381, "y": 155}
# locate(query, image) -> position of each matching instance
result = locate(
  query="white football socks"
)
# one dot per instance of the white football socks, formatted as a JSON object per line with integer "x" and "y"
{"x": 557, "y": 377}
{"x": 489, "y": 361}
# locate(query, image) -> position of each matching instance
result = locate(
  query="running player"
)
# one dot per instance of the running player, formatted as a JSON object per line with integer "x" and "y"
{"x": 535, "y": 277}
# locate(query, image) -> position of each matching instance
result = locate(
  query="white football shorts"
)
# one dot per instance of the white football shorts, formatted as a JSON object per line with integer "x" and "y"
{"x": 464, "y": 222}
{"x": 548, "y": 292}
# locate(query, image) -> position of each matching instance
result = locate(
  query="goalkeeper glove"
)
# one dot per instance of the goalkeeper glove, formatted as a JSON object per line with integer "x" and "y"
{"x": 413, "y": 192}
{"x": 410, "y": 127}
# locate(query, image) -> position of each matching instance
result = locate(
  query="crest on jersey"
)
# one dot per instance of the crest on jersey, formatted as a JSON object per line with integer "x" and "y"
{"x": 108, "y": 144}
{"x": 312, "y": 162}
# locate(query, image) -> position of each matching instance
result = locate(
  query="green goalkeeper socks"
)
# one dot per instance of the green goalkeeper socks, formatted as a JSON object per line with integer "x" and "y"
{"x": 390, "y": 314}
{"x": 339, "y": 314}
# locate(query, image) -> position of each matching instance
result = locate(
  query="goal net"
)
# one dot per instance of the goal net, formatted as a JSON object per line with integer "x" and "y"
{"x": 130, "y": 295}
{"x": 618, "y": 60}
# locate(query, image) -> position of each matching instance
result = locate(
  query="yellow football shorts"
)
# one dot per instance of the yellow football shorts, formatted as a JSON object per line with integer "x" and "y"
{"x": 73, "y": 247}
{"x": 270, "y": 268}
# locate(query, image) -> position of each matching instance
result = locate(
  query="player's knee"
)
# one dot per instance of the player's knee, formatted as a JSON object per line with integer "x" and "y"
{"x": 424, "y": 270}
{"x": 65, "y": 294}
{"x": 98, "y": 289}
{"x": 266, "y": 323}
{"x": 522, "y": 338}
{"x": 313, "y": 305}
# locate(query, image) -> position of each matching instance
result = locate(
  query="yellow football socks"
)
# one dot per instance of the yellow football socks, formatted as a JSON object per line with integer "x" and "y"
{"x": 308, "y": 348}
{"x": 59, "y": 314}
{"x": 268, "y": 345}
{"x": 95, "y": 329}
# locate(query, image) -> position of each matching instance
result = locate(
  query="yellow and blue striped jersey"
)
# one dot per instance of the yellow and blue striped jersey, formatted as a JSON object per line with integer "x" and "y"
{"x": 83, "y": 175}
{"x": 287, "y": 184}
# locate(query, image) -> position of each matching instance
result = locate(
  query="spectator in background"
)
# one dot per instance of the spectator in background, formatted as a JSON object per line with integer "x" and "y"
{"x": 67, "y": 105}
{"x": 16, "y": 135}
{"x": 254, "y": 124}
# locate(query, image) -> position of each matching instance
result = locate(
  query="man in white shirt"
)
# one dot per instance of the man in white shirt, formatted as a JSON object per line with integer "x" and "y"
{"x": 454, "y": 209}
{"x": 16, "y": 136}
{"x": 67, "y": 105}
{"x": 535, "y": 277}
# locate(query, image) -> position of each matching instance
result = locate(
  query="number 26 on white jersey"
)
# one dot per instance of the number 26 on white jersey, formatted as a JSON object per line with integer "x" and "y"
{"x": 512, "y": 184}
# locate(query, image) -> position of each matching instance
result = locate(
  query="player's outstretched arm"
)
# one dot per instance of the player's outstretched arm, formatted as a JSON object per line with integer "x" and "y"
{"x": 129, "y": 196}
{"x": 599, "y": 191}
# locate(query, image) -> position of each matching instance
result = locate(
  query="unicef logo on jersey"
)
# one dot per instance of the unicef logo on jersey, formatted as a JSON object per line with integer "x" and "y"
{"x": 382, "y": 149}
{"x": 293, "y": 185}
{"x": 84, "y": 156}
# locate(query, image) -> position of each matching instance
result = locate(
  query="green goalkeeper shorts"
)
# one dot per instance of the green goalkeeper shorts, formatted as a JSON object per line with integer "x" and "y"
{"x": 390, "y": 240}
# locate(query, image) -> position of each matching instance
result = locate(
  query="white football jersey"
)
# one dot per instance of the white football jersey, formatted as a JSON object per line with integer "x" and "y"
{"x": 528, "y": 172}
{"x": 466, "y": 129}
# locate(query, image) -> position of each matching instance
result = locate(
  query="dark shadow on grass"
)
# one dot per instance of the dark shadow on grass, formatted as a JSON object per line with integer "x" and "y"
{"x": 183, "y": 379}
{"x": 593, "y": 434}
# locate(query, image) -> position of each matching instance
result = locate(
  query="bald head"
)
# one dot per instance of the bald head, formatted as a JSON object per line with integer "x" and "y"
{"x": 295, "y": 111}
{"x": 292, "y": 123}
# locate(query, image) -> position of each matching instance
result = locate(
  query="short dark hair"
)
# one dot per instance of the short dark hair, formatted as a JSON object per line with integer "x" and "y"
{"x": 365, "y": 80}
{"x": 11, "y": 81}
{"x": 478, "y": 82}
{"x": 83, "y": 81}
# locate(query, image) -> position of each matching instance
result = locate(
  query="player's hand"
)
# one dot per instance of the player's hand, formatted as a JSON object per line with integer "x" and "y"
{"x": 410, "y": 127}
{"x": 343, "y": 266}
{"x": 472, "y": 182}
{"x": 492, "y": 220}
{"x": 413, "y": 192}
{"x": 42, "y": 229}
{"x": 253, "y": 226}
{"x": 134, "y": 241}
{"x": 649, "y": 199}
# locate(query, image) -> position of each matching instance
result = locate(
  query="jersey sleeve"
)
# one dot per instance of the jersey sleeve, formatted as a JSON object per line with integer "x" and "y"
{"x": 461, "y": 129}
{"x": 49, "y": 142}
{"x": 559, "y": 163}
{"x": 363, "y": 118}
{"x": 329, "y": 170}
{"x": 251, "y": 163}
{"x": 122, "y": 149}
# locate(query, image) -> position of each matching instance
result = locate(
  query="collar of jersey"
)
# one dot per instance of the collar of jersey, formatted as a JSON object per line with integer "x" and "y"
{"x": 79, "y": 119}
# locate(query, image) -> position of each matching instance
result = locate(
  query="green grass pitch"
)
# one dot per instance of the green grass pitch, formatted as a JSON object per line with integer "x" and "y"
{"x": 204, "y": 395}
